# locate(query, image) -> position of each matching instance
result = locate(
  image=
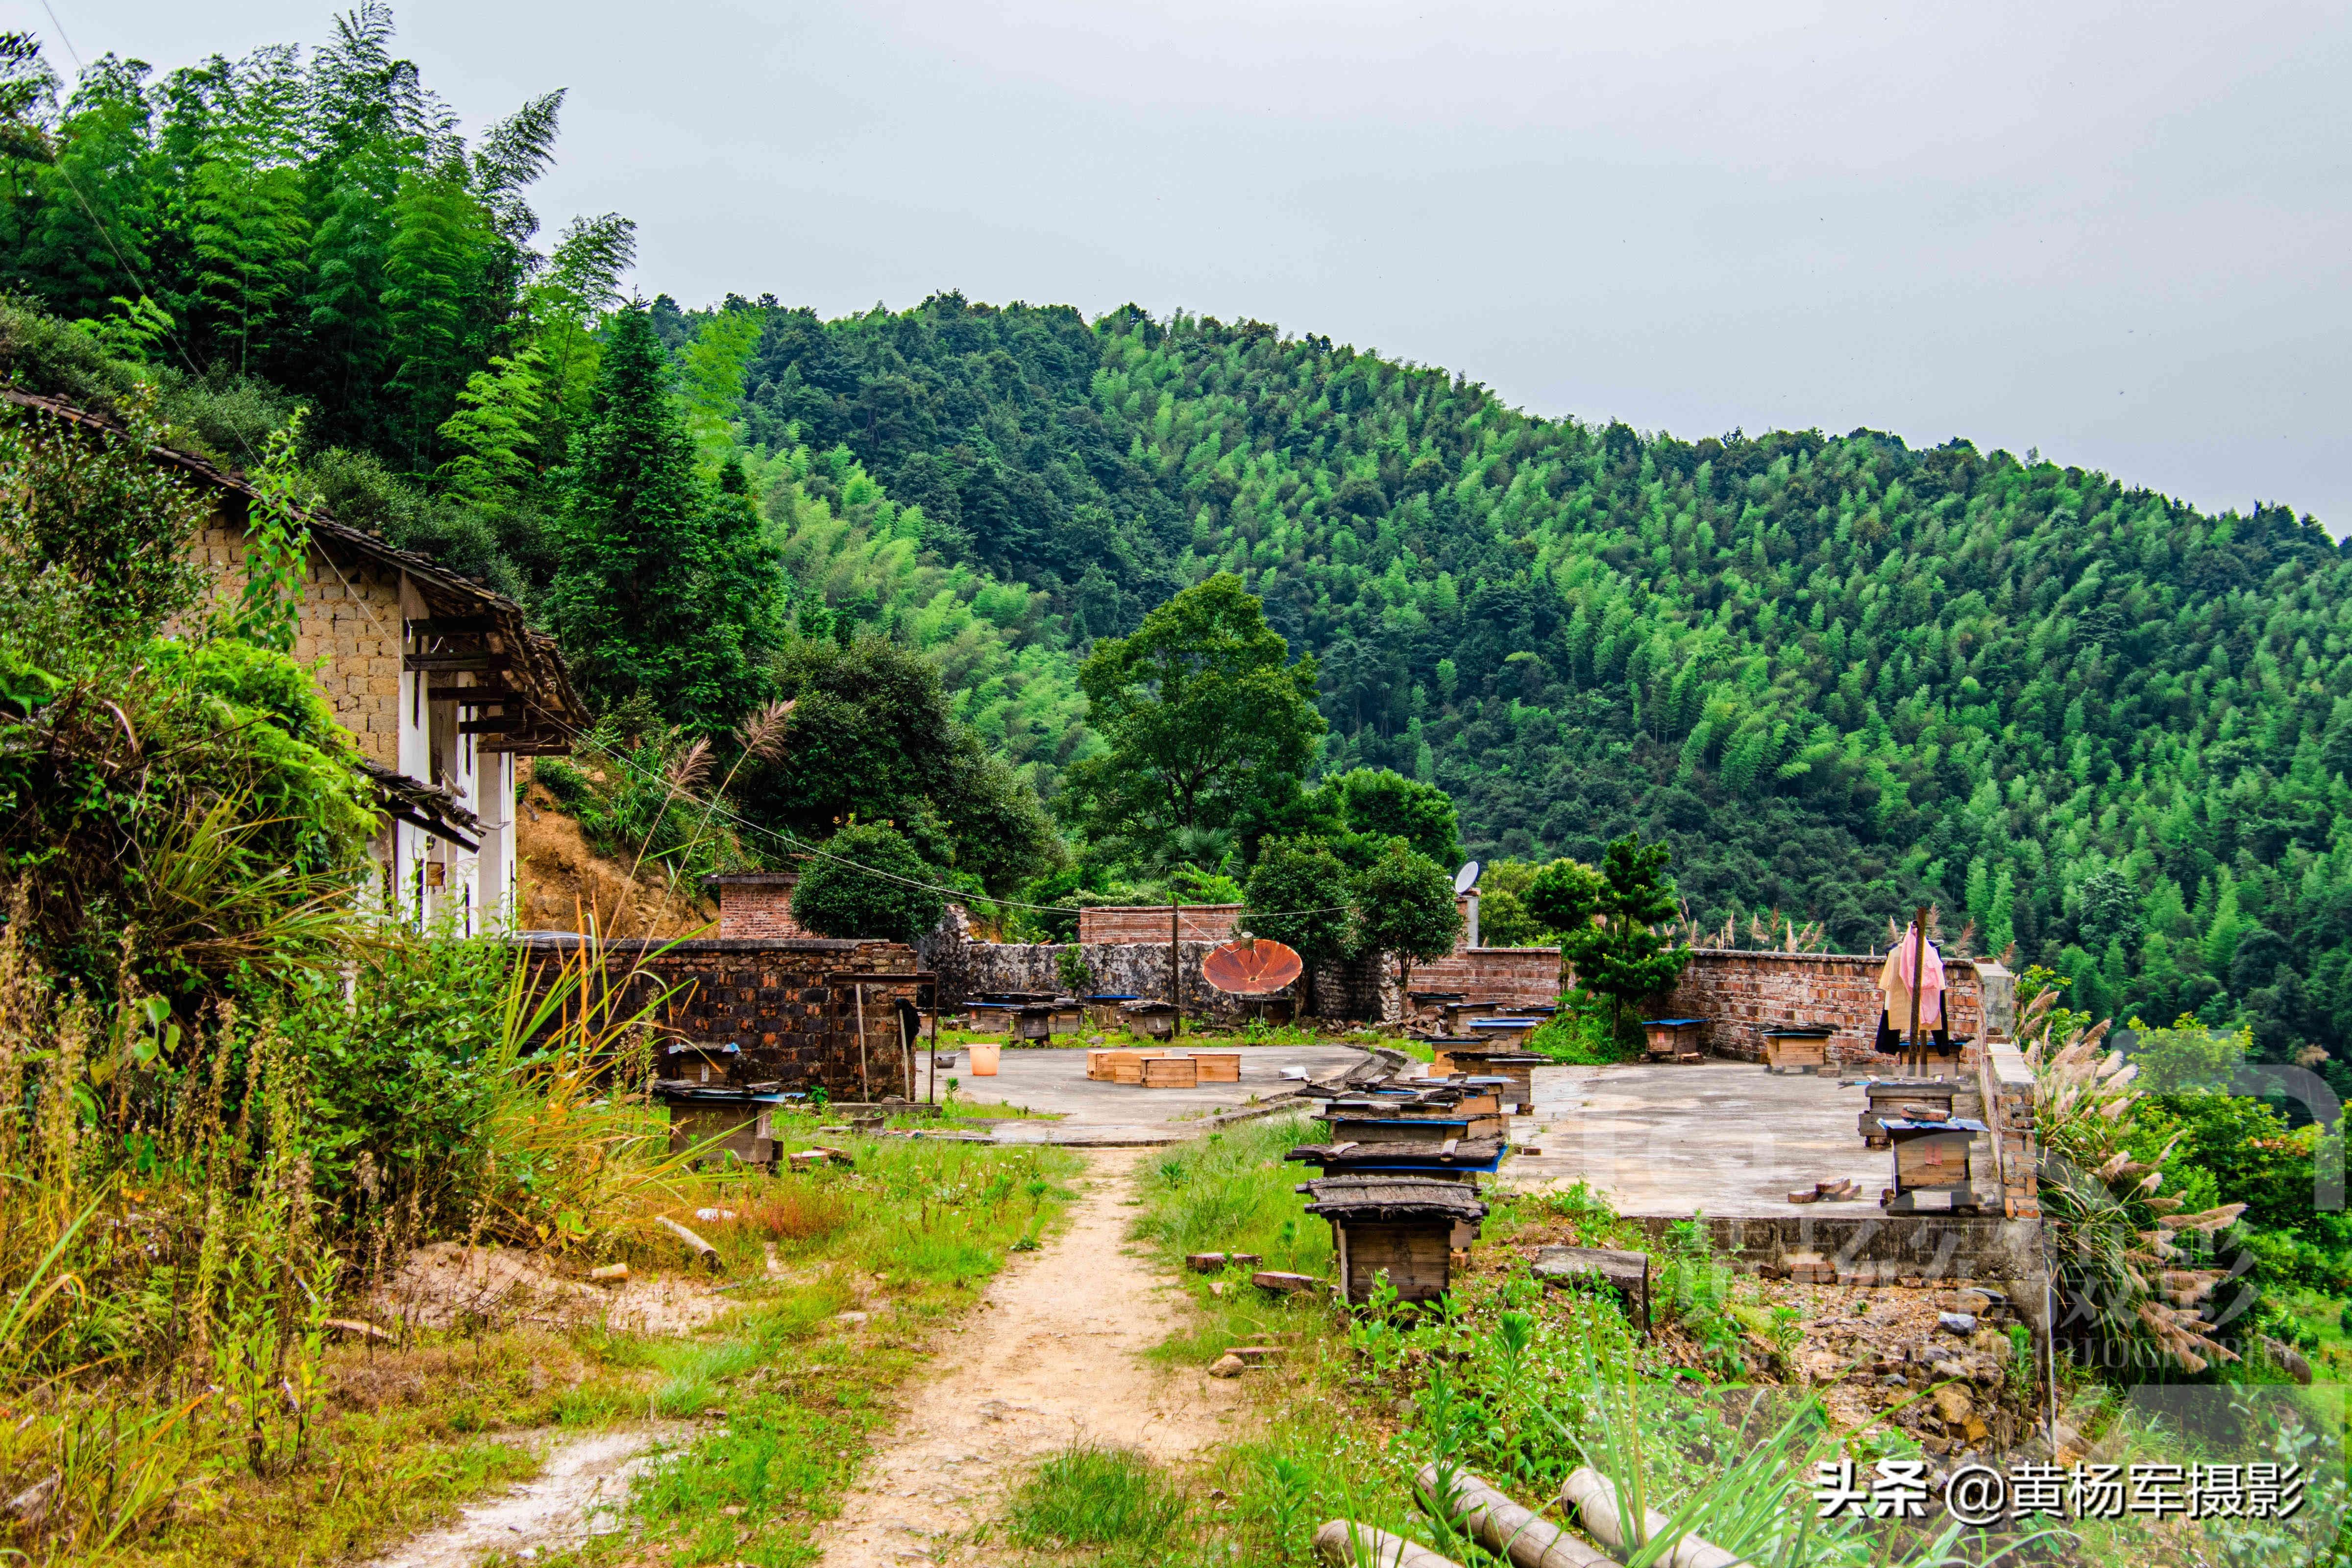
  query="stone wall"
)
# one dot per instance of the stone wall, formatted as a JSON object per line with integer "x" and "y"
{"x": 789, "y": 1007}
{"x": 1211, "y": 923}
{"x": 969, "y": 970}
{"x": 350, "y": 618}
{"x": 1741, "y": 994}
{"x": 757, "y": 905}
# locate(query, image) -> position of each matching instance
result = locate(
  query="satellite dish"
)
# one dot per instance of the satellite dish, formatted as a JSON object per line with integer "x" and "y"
{"x": 1251, "y": 966}
{"x": 1467, "y": 878}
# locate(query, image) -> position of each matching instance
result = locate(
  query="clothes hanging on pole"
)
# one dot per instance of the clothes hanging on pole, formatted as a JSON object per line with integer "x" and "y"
{"x": 1898, "y": 983}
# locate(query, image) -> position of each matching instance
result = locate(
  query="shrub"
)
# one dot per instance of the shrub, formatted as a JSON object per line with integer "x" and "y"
{"x": 868, "y": 882}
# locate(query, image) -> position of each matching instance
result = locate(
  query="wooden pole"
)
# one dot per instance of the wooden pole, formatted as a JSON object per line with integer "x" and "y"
{"x": 1175, "y": 975}
{"x": 1918, "y": 978}
{"x": 931, "y": 1081}
{"x": 865, "y": 1087}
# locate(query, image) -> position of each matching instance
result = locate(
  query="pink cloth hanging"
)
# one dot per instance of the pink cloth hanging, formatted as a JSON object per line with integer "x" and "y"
{"x": 1897, "y": 981}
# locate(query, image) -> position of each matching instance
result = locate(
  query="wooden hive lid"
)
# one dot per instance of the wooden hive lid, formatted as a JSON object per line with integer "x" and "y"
{"x": 1390, "y": 1197}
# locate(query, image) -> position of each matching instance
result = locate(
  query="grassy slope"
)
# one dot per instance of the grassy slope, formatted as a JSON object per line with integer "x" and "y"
{"x": 909, "y": 1236}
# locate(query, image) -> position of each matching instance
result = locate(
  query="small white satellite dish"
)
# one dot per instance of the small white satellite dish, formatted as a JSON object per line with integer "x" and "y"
{"x": 1467, "y": 878}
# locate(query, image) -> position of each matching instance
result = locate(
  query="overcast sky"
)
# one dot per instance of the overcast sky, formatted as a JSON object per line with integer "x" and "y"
{"x": 2121, "y": 233}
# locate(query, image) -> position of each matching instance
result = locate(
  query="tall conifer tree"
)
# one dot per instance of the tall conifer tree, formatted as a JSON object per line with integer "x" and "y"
{"x": 658, "y": 588}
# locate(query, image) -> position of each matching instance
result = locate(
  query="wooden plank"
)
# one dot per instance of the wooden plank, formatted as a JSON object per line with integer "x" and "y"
{"x": 495, "y": 724}
{"x": 444, "y": 661}
{"x": 452, "y": 625}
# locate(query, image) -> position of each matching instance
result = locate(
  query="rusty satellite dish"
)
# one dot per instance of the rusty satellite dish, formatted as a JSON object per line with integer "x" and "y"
{"x": 1251, "y": 966}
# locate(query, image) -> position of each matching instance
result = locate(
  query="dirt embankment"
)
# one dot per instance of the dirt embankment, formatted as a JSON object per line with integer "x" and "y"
{"x": 563, "y": 881}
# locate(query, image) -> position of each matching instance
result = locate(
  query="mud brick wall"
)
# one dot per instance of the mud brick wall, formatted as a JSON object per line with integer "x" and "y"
{"x": 1742, "y": 993}
{"x": 758, "y": 905}
{"x": 350, "y": 618}
{"x": 780, "y": 1001}
{"x": 1209, "y": 924}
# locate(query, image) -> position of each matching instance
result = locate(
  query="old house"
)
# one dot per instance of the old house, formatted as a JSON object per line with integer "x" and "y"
{"x": 436, "y": 677}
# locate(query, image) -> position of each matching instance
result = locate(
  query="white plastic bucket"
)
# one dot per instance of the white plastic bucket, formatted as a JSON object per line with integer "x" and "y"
{"x": 984, "y": 1057}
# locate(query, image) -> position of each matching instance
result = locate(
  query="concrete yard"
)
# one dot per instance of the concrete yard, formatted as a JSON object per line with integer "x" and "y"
{"x": 1727, "y": 1138}
{"x": 1053, "y": 1079}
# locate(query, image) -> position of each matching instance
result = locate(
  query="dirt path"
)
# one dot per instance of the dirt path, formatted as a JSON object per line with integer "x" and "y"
{"x": 1052, "y": 1353}
{"x": 557, "y": 1508}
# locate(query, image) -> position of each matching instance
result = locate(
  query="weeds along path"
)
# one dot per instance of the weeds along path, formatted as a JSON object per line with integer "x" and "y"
{"x": 1054, "y": 1353}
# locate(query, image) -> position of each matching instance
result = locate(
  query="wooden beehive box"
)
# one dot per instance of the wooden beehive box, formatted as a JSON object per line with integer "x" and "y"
{"x": 1932, "y": 1172}
{"x": 1796, "y": 1050}
{"x": 1673, "y": 1039}
{"x": 1515, "y": 1069}
{"x": 1066, "y": 1019}
{"x": 1100, "y": 1069}
{"x": 1886, "y": 1097}
{"x": 1170, "y": 1072}
{"x": 1127, "y": 1066}
{"x": 987, "y": 1018}
{"x": 1401, "y": 1228}
{"x": 1219, "y": 1067}
{"x": 1152, "y": 1020}
{"x": 1033, "y": 1024}
{"x": 741, "y": 1127}
{"x": 1102, "y": 1010}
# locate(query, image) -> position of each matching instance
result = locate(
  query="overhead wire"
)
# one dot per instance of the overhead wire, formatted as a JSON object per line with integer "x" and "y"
{"x": 801, "y": 847}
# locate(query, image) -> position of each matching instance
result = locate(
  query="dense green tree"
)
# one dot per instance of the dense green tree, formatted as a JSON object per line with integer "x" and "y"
{"x": 1210, "y": 727}
{"x": 1380, "y": 804}
{"x": 873, "y": 738}
{"x": 661, "y": 586}
{"x": 868, "y": 882}
{"x": 1609, "y": 919}
{"x": 1405, "y": 907}
{"x": 1301, "y": 894}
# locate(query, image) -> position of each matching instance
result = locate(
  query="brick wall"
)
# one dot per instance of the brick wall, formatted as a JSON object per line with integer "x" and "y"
{"x": 1211, "y": 923}
{"x": 1521, "y": 975}
{"x": 757, "y": 905}
{"x": 351, "y": 617}
{"x": 780, "y": 1001}
{"x": 1742, "y": 993}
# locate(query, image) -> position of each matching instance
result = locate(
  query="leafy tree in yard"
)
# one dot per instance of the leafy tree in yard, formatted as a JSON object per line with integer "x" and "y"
{"x": 1607, "y": 921}
{"x": 840, "y": 896}
{"x": 661, "y": 586}
{"x": 1299, "y": 895}
{"x": 1404, "y": 905}
{"x": 1381, "y": 803}
{"x": 1209, "y": 726}
{"x": 874, "y": 738}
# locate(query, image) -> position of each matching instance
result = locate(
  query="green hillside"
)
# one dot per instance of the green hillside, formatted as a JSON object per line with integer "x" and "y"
{"x": 1838, "y": 674}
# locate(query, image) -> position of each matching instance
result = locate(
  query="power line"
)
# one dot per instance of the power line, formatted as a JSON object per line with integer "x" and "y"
{"x": 810, "y": 850}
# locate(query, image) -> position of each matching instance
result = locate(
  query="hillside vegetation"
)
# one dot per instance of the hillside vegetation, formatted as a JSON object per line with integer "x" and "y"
{"x": 1839, "y": 676}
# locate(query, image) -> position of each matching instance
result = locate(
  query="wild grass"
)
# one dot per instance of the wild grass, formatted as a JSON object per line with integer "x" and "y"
{"x": 1232, "y": 1190}
{"x": 168, "y": 1269}
{"x": 1099, "y": 1496}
